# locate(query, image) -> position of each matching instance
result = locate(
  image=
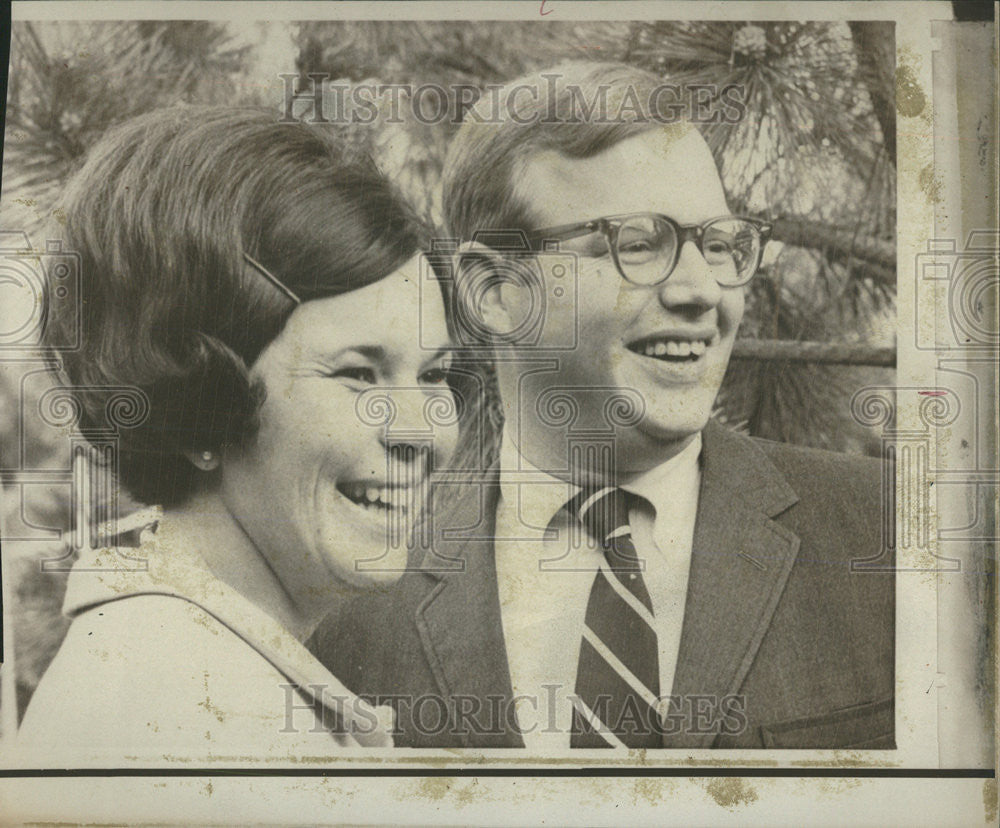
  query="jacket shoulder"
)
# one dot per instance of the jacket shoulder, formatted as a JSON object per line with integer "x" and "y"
{"x": 148, "y": 672}
{"x": 806, "y": 460}
{"x": 840, "y": 506}
{"x": 846, "y": 484}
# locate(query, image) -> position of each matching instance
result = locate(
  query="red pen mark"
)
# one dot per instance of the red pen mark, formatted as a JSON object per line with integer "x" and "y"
{"x": 932, "y": 393}
{"x": 541, "y": 9}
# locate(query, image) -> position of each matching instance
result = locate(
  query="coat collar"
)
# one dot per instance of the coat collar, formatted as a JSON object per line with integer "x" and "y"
{"x": 736, "y": 463}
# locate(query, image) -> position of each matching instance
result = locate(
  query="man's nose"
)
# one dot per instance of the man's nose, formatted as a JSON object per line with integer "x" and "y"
{"x": 692, "y": 283}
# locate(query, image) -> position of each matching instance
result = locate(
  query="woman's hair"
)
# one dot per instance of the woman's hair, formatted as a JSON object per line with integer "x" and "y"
{"x": 163, "y": 215}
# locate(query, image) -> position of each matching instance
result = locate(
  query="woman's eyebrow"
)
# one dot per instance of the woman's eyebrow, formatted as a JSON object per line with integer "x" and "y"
{"x": 371, "y": 352}
{"x": 377, "y": 353}
{"x": 440, "y": 353}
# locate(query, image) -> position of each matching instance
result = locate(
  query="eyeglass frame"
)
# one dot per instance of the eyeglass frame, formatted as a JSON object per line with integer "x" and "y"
{"x": 684, "y": 232}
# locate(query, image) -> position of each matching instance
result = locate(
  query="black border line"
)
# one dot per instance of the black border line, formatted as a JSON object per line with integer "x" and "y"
{"x": 961, "y": 11}
{"x": 486, "y": 771}
{"x": 5, "y": 41}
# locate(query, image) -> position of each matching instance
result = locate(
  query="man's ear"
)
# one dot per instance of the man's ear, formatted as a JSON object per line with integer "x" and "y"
{"x": 493, "y": 291}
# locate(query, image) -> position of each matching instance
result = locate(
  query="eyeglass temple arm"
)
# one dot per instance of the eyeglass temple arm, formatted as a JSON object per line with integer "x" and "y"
{"x": 565, "y": 232}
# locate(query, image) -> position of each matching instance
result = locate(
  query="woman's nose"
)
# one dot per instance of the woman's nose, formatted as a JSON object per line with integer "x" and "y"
{"x": 416, "y": 423}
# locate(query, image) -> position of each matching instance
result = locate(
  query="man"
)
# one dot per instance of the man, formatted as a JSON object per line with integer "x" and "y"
{"x": 632, "y": 574}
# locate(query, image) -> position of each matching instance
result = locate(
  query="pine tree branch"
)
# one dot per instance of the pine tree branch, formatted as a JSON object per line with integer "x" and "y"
{"x": 839, "y": 242}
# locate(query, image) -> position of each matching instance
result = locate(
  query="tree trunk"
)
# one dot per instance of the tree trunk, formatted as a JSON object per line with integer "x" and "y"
{"x": 875, "y": 48}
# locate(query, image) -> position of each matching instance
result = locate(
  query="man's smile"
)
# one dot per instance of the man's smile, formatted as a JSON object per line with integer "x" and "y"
{"x": 675, "y": 346}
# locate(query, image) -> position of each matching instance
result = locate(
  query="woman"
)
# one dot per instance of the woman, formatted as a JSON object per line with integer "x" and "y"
{"x": 260, "y": 286}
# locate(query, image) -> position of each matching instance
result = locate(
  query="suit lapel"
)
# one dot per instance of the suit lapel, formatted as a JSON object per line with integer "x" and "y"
{"x": 740, "y": 562}
{"x": 459, "y": 620}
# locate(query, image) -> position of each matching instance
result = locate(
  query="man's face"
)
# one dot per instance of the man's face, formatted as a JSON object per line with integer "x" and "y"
{"x": 624, "y": 328}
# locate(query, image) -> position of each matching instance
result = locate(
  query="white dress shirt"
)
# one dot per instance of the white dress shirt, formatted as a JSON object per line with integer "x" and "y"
{"x": 546, "y": 566}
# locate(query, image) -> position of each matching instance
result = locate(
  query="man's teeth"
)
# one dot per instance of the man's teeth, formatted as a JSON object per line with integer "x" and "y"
{"x": 675, "y": 348}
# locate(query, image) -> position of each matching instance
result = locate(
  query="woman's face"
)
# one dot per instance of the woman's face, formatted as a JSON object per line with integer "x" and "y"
{"x": 357, "y": 413}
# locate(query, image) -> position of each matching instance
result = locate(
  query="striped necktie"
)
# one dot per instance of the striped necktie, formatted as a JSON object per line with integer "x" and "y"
{"x": 618, "y": 673}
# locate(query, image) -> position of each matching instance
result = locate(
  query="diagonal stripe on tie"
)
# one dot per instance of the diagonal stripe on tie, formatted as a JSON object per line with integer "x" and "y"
{"x": 629, "y": 579}
{"x": 617, "y": 621}
{"x": 641, "y": 609}
{"x": 587, "y": 723}
{"x": 616, "y": 696}
{"x": 634, "y": 683}
{"x": 588, "y": 731}
{"x": 618, "y": 681}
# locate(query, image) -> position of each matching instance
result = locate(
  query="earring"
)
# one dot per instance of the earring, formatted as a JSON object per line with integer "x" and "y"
{"x": 206, "y": 460}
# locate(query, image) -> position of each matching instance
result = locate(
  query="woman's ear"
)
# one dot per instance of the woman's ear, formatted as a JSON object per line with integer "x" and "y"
{"x": 204, "y": 460}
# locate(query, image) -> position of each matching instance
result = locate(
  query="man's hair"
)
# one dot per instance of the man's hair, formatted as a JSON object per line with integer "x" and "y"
{"x": 161, "y": 215}
{"x": 552, "y": 110}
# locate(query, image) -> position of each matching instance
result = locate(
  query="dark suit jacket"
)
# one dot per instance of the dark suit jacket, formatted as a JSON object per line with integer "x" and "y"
{"x": 794, "y": 644}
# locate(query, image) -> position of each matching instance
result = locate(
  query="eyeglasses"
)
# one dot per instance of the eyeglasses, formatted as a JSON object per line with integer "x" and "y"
{"x": 646, "y": 247}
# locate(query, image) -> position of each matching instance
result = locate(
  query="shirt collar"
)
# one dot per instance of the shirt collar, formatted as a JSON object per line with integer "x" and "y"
{"x": 675, "y": 478}
{"x": 538, "y": 495}
{"x": 535, "y": 494}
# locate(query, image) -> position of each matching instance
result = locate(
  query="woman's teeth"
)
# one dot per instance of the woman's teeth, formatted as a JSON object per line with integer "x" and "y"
{"x": 375, "y": 497}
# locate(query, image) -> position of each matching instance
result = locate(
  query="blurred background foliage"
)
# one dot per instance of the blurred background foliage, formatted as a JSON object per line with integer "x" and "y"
{"x": 815, "y": 154}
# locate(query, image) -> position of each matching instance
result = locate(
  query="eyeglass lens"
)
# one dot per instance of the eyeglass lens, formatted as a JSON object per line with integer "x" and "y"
{"x": 647, "y": 249}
